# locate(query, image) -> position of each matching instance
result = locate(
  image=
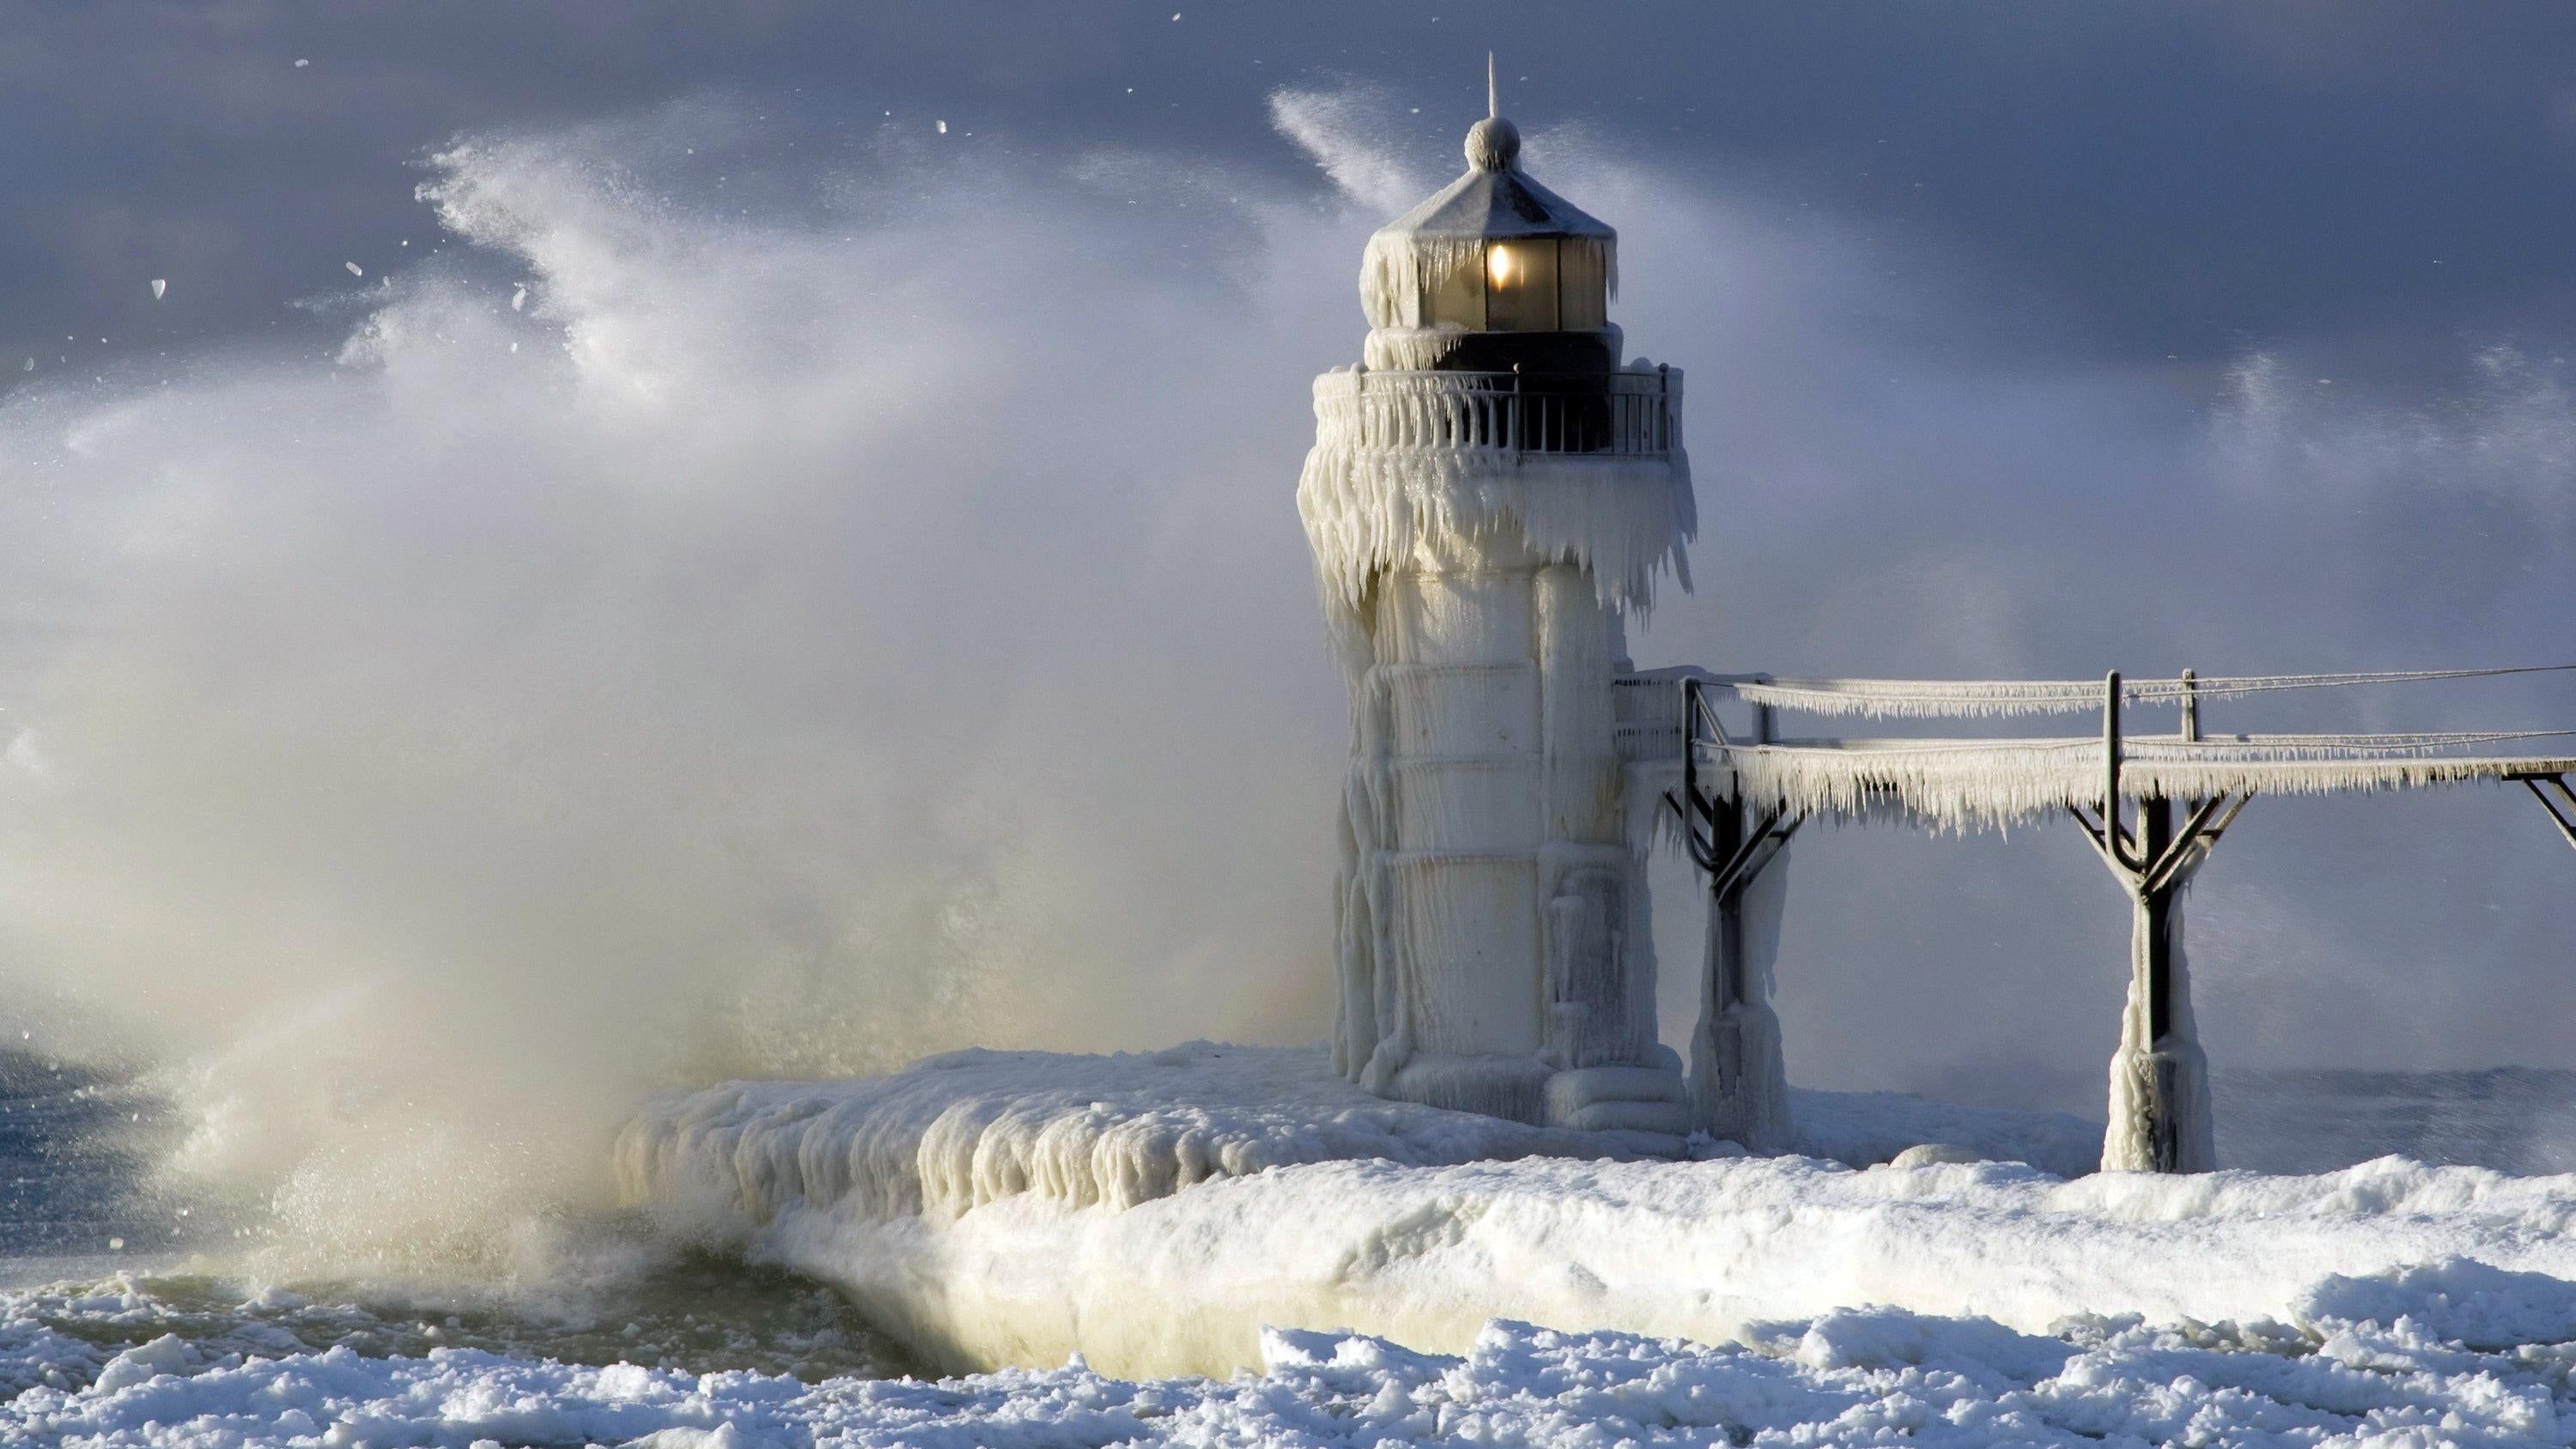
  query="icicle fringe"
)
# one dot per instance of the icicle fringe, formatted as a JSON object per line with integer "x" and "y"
{"x": 2007, "y": 698}
{"x": 1400, "y": 268}
{"x": 1367, "y": 505}
{"x": 1410, "y": 349}
{"x": 1923, "y": 698}
{"x": 1963, "y": 785}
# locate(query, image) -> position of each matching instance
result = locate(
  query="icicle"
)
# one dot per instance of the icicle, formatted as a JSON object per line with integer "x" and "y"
{"x": 1394, "y": 463}
{"x": 2230, "y": 688}
{"x": 1410, "y": 349}
{"x": 1626, "y": 519}
{"x": 1399, "y": 269}
{"x": 1958, "y": 785}
{"x": 1605, "y": 256}
{"x": 1923, "y": 698}
{"x": 2180, "y": 779}
{"x": 2004, "y": 698}
{"x": 2301, "y": 747}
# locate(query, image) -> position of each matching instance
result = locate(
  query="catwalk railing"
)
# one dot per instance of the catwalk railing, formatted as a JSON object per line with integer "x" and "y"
{"x": 1630, "y": 414}
{"x": 2152, "y": 806}
{"x": 1998, "y": 782}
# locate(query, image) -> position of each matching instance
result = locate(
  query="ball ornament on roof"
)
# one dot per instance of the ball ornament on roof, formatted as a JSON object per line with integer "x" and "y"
{"x": 1493, "y": 144}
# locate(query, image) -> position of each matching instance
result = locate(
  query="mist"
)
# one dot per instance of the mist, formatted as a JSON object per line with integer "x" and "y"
{"x": 853, "y": 607}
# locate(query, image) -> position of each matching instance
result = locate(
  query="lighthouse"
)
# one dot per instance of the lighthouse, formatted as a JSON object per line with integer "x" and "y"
{"x": 1492, "y": 494}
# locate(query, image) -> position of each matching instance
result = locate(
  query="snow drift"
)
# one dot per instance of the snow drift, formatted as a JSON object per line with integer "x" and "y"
{"x": 2420, "y": 1356}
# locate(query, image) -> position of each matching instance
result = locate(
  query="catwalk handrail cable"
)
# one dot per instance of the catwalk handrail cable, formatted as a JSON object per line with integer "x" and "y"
{"x": 1937, "y": 698}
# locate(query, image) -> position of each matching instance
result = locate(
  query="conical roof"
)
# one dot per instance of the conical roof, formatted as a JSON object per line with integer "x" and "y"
{"x": 1494, "y": 201}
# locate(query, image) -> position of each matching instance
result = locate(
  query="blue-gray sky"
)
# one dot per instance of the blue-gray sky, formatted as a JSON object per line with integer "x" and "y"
{"x": 762, "y": 583}
{"x": 2179, "y": 179}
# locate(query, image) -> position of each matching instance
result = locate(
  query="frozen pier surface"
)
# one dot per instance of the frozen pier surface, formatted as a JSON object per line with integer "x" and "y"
{"x": 958, "y": 1131}
{"x": 1031, "y": 1228}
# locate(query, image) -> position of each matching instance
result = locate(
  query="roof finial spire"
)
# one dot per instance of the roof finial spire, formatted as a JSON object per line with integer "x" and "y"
{"x": 1492, "y": 143}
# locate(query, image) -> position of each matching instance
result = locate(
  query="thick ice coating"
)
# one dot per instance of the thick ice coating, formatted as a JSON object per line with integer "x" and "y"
{"x": 1483, "y": 517}
{"x": 963, "y": 1130}
{"x": 958, "y": 1131}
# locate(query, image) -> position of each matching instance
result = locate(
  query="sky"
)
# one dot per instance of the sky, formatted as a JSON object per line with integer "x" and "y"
{"x": 2184, "y": 179}
{"x": 782, "y": 556}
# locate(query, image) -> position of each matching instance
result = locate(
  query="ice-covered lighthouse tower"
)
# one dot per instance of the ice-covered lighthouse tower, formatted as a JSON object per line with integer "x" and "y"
{"x": 1491, "y": 491}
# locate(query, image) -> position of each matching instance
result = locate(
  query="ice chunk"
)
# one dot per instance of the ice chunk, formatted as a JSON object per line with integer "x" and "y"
{"x": 1929, "y": 1154}
{"x": 2457, "y": 1300}
{"x": 142, "y": 1363}
{"x": 519, "y": 300}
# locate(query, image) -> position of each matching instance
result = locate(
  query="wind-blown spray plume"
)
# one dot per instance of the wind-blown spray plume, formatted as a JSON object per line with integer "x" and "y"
{"x": 807, "y": 650}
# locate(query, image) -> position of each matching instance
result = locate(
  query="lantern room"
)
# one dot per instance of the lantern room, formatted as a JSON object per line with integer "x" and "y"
{"x": 1492, "y": 272}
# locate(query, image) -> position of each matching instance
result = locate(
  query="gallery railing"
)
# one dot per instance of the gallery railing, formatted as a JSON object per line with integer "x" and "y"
{"x": 1631, "y": 414}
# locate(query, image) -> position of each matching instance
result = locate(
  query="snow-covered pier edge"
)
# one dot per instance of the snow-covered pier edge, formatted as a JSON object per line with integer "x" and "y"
{"x": 1154, "y": 1213}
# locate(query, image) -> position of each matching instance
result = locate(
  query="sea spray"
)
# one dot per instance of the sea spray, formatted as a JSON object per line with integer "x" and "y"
{"x": 432, "y": 751}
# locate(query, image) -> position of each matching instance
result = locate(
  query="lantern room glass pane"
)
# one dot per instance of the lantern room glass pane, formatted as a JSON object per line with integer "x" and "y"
{"x": 1458, "y": 300}
{"x": 1583, "y": 294}
{"x": 1520, "y": 286}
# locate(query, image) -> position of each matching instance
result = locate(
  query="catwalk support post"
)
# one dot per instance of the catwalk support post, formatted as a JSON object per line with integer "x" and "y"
{"x": 2159, "y": 1100}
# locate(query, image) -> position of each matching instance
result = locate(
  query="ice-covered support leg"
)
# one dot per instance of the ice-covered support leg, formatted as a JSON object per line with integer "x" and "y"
{"x": 2159, "y": 1120}
{"x": 2159, "y": 1076}
{"x": 1739, "y": 1084}
{"x": 1739, "y": 1090}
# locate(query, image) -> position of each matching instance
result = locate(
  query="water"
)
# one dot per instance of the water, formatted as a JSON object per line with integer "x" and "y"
{"x": 696, "y": 1314}
{"x": 92, "y": 1249}
{"x": 2513, "y": 1119}
{"x": 74, "y": 1144}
